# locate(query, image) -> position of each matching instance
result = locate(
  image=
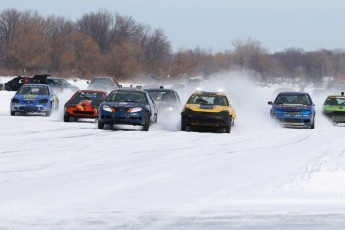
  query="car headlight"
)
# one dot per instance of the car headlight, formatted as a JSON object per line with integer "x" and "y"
{"x": 134, "y": 110}
{"x": 308, "y": 112}
{"x": 107, "y": 108}
{"x": 169, "y": 109}
{"x": 15, "y": 101}
{"x": 279, "y": 111}
{"x": 43, "y": 101}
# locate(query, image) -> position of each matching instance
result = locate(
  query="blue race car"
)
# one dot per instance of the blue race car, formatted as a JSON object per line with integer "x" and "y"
{"x": 293, "y": 109}
{"x": 129, "y": 107}
{"x": 34, "y": 98}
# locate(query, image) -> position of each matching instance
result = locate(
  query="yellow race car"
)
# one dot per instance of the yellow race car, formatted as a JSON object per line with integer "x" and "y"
{"x": 208, "y": 109}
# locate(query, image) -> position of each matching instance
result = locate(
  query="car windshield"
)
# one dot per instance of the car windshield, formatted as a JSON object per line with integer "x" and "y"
{"x": 126, "y": 96}
{"x": 335, "y": 101}
{"x": 89, "y": 96}
{"x": 208, "y": 100}
{"x": 163, "y": 96}
{"x": 293, "y": 99}
{"x": 37, "y": 90}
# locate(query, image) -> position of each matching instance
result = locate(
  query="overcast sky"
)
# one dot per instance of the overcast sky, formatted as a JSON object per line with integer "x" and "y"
{"x": 277, "y": 24}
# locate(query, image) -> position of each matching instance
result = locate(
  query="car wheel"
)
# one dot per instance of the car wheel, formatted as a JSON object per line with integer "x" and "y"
{"x": 228, "y": 128}
{"x": 147, "y": 123}
{"x": 100, "y": 125}
{"x": 47, "y": 114}
{"x": 13, "y": 113}
{"x": 183, "y": 126}
{"x": 66, "y": 118}
{"x": 313, "y": 126}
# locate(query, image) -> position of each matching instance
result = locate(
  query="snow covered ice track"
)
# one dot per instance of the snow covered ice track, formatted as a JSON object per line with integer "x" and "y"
{"x": 56, "y": 175}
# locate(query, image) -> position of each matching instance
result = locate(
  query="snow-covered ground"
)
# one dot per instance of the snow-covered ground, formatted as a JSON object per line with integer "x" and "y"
{"x": 56, "y": 175}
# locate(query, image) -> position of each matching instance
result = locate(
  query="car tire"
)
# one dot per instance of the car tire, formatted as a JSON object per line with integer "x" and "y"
{"x": 100, "y": 125}
{"x": 66, "y": 118}
{"x": 228, "y": 128}
{"x": 312, "y": 126}
{"x": 48, "y": 113}
{"x": 146, "y": 125}
{"x": 13, "y": 113}
{"x": 183, "y": 127}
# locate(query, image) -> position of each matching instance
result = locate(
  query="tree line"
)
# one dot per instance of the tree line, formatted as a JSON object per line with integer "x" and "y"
{"x": 105, "y": 43}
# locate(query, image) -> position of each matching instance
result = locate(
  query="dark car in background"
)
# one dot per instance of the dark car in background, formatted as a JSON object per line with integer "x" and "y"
{"x": 57, "y": 83}
{"x": 102, "y": 83}
{"x": 168, "y": 100}
{"x": 127, "y": 107}
{"x": 83, "y": 104}
{"x": 15, "y": 83}
{"x": 293, "y": 109}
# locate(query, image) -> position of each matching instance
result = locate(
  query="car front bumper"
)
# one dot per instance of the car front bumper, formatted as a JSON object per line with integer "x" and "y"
{"x": 295, "y": 120}
{"x": 205, "y": 119}
{"x": 124, "y": 118}
{"x": 30, "y": 108}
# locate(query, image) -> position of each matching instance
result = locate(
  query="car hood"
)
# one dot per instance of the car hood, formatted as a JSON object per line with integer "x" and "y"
{"x": 206, "y": 108}
{"x": 30, "y": 97}
{"x": 124, "y": 104}
{"x": 94, "y": 103}
{"x": 334, "y": 108}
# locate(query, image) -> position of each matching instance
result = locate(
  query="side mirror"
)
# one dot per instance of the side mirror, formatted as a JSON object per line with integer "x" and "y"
{"x": 88, "y": 82}
{"x": 270, "y": 103}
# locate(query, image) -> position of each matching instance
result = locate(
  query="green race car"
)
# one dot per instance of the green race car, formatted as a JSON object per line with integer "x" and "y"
{"x": 334, "y": 108}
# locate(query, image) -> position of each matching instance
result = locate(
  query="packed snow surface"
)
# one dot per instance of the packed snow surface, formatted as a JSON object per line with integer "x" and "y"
{"x": 56, "y": 175}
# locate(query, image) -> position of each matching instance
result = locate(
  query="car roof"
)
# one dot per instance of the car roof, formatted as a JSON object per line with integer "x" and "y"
{"x": 102, "y": 78}
{"x": 209, "y": 93}
{"x": 131, "y": 89}
{"x": 36, "y": 85}
{"x": 159, "y": 90}
{"x": 91, "y": 91}
{"x": 294, "y": 93}
{"x": 336, "y": 96}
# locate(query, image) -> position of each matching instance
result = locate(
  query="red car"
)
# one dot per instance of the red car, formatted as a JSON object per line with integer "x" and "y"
{"x": 83, "y": 104}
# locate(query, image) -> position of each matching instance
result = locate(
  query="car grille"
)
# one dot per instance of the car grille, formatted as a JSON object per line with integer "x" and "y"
{"x": 84, "y": 112}
{"x": 30, "y": 109}
{"x": 204, "y": 118}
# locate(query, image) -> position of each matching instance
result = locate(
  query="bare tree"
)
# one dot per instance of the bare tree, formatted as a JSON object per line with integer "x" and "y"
{"x": 30, "y": 46}
{"x": 8, "y": 21}
{"x": 156, "y": 51}
{"x": 81, "y": 54}
{"x": 99, "y": 26}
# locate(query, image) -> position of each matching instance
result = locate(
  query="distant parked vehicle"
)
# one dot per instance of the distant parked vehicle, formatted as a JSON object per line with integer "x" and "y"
{"x": 102, "y": 83}
{"x": 293, "y": 109}
{"x": 17, "y": 82}
{"x": 58, "y": 84}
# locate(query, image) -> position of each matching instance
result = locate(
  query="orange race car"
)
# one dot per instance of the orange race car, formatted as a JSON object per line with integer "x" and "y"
{"x": 83, "y": 104}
